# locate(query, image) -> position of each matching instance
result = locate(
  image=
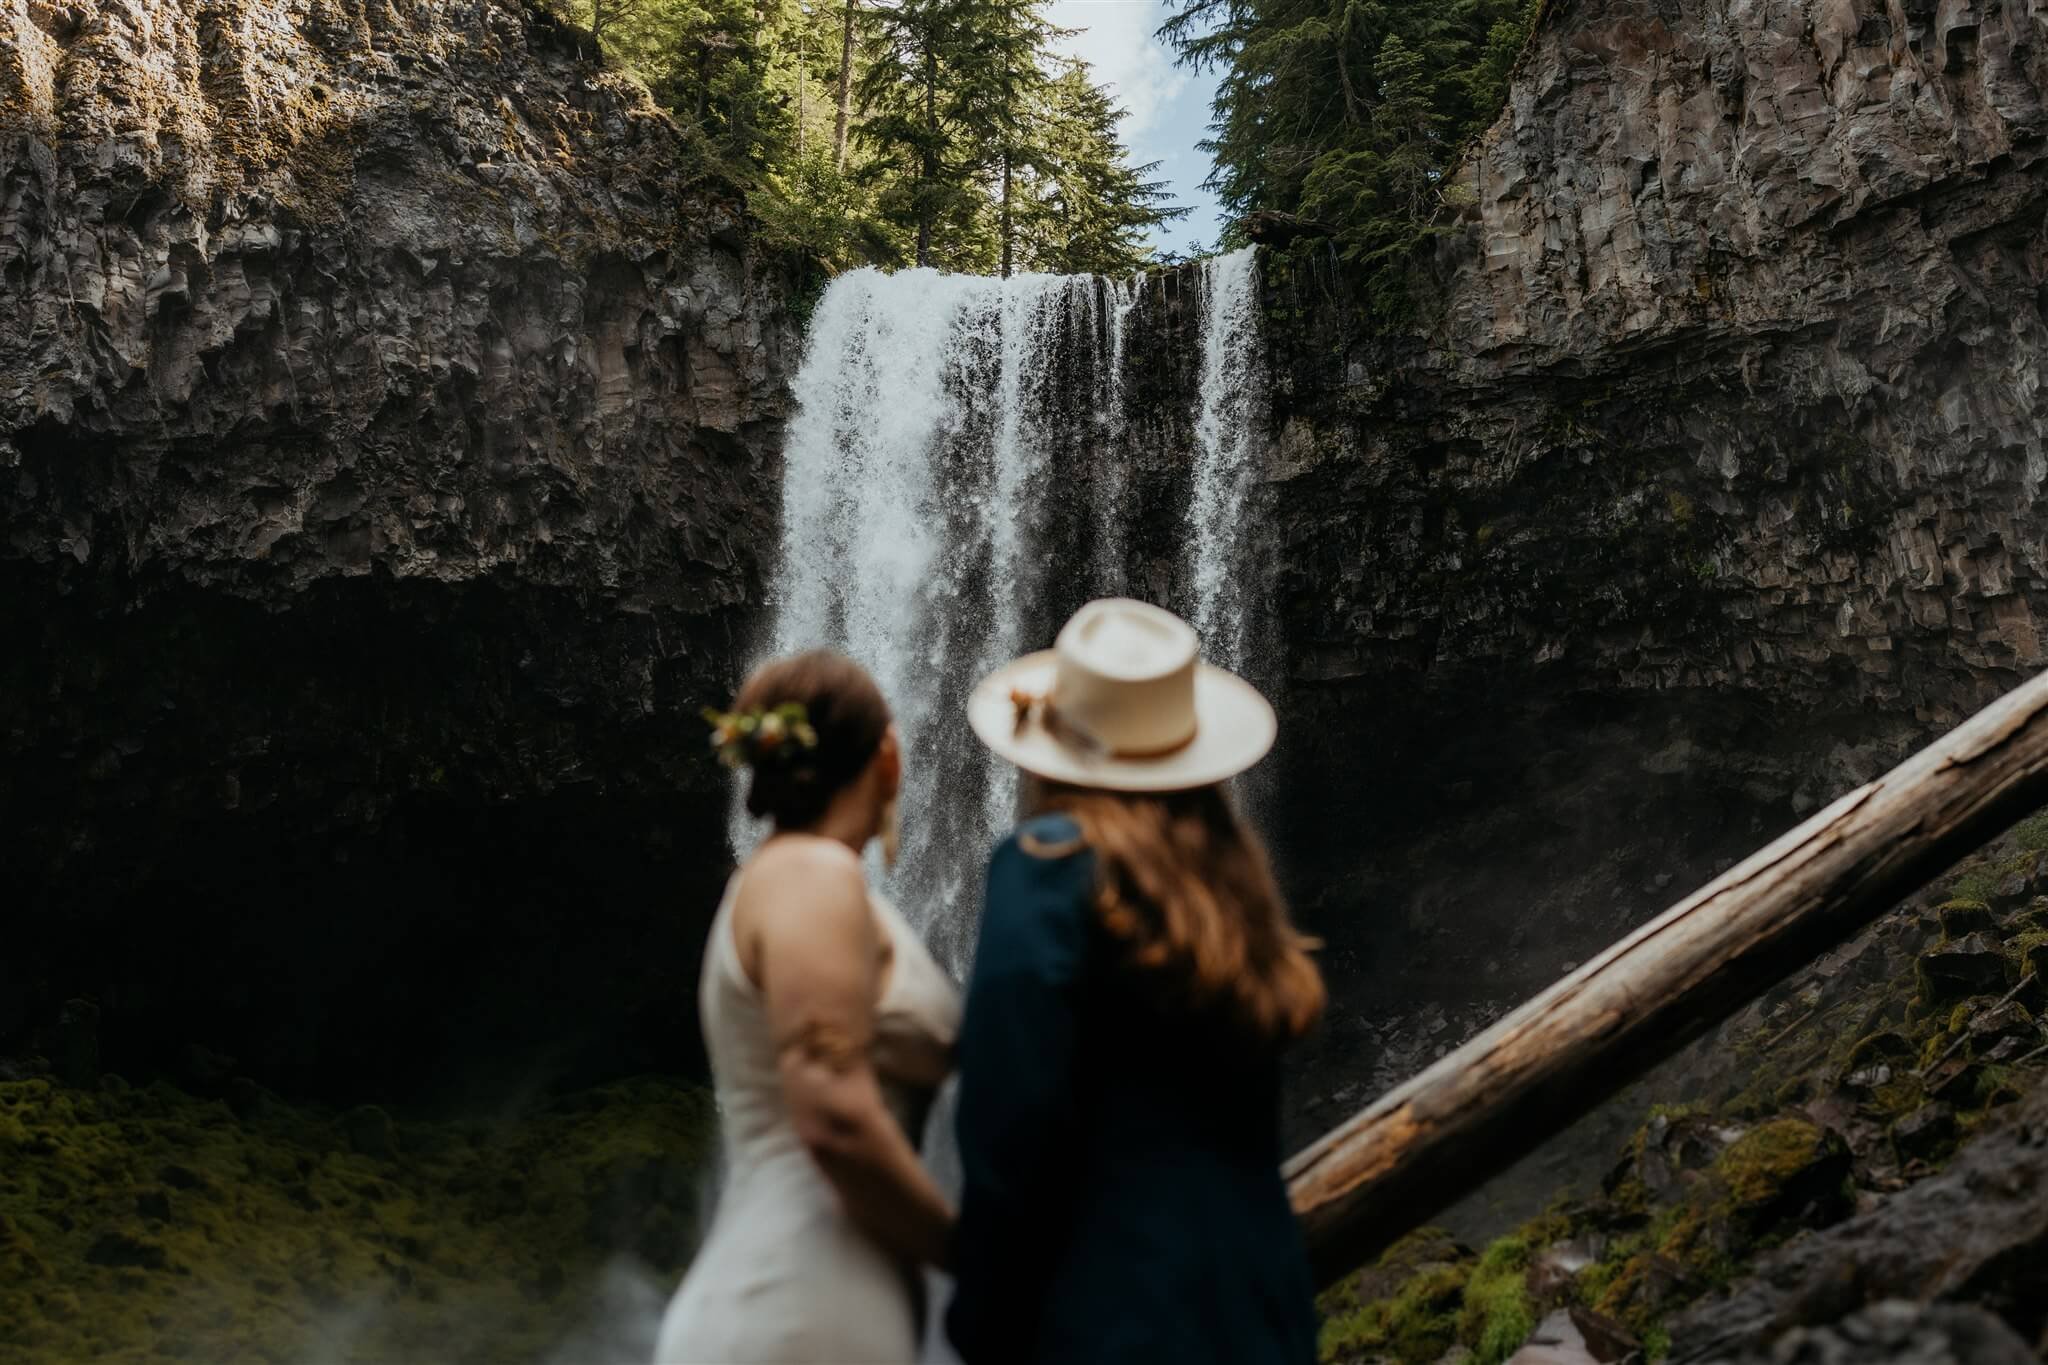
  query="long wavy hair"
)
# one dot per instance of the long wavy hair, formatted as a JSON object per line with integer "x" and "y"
{"x": 1186, "y": 886}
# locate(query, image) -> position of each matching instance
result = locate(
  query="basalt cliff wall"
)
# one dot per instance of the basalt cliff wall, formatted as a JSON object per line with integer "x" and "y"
{"x": 387, "y": 400}
{"x": 1712, "y": 491}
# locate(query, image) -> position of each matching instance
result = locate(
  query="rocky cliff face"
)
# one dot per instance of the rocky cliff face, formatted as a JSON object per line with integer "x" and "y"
{"x": 1715, "y": 490}
{"x": 389, "y": 415}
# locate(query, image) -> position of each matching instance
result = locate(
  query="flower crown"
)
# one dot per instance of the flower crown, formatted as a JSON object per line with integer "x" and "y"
{"x": 745, "y": 739}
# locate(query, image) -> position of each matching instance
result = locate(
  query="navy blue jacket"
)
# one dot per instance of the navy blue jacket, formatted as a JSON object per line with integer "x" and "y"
{"x": 1122, "y": 1197}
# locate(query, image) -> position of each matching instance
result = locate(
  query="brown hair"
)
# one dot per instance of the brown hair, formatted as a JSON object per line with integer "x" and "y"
{"x": 845, "y": 708}
{"x": 1186, "y": 885}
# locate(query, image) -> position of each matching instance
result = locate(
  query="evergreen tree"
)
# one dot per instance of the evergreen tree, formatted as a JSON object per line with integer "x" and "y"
{"x": 943, "y": 132}
{"x": 1005, "y": 82}
{"x": 1092, "y": 209}
{"x": 925, "y": 98}
{"x": 1352, "y": 111}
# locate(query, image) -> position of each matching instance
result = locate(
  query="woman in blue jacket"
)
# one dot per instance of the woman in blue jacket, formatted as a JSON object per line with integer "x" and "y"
{"x": 1136, "y": 981}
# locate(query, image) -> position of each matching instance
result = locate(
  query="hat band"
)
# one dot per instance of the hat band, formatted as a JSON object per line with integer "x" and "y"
{"x": 1038, "y": 706}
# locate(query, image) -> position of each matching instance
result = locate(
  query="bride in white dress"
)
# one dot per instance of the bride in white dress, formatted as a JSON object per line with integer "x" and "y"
{"x": 829, "y": 1028}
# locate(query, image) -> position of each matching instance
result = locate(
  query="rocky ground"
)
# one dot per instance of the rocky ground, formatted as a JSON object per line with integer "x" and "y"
{"x": 148, "y": 1224}
{"x": 1855, "y": 1168}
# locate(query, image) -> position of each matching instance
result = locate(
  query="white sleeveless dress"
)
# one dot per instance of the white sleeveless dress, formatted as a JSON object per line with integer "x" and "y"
{"x": 784, "y": 1276}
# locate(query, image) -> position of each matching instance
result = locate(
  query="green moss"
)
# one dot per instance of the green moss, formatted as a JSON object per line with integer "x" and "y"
{"x": 2020, "y": 945}
{"x": 1875, "y": 1048}
{"x": 1978, "y": 884}
{"x": 2032, "y": 832}
{"x": 1963, "y": 915}
{"x": 1419, "y": 1323}
{"x": 1679, "y": 505}
{"x": 1498, "y": 1316}
{"x": 1758, "y": 1165}
{"x": 458, "y": 1242}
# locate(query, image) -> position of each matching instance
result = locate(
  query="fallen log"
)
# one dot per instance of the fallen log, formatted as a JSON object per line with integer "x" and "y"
{"x": 1430, "y": 1141}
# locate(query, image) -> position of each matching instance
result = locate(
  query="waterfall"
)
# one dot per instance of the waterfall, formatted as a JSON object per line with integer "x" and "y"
{"x": 1226, "y": 455}
{"x": 962, "y": 470}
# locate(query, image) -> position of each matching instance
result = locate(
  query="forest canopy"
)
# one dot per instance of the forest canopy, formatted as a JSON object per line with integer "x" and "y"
{"x": 947, "y": 133}
{"x": 1351, "y": 113}
{"x": 952, "y": 133}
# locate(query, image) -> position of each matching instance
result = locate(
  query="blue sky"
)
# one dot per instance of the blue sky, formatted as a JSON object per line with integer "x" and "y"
{"x": 1168, "y": 105}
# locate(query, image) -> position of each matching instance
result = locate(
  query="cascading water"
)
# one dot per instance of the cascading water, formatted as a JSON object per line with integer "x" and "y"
{"x": 1226, "y": 456}
{"x": 963, "y": 469}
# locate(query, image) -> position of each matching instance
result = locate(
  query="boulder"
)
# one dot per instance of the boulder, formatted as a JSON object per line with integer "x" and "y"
{"x": 1925, "y": 1133}
{"x": 2003, "y": 1022}
{"x": 1961, "y": 918}
{"x": 1971, "y": 965}
{"x": 2018, "y": 880}
{"x": 1899, "y": 1332}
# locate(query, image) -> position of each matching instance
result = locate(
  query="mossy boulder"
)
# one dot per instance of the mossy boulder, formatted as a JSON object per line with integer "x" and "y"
{"x": 1788, "y": 1168}
{"x": 1961, "y": 918}
{"x": 1971, "y": 965}
{"x": 2018, "y": 879}
{"x": 1428, "y": 1298}
{"x": 2028, "y": 954}
{"x": 1876, "y": 1060}
{"x": 2007, "y": 1020}
{"x": 1498, "y": 1314}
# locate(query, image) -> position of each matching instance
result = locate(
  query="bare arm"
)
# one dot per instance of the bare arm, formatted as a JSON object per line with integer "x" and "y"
{"x": 810, "y": 942}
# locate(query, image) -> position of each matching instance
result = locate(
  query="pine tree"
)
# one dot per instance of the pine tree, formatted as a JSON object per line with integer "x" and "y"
{"x": 1005, "y": 82}
{"x": 914, "y": 119}
{"x": 1091, "y": 210}
{"x": 952, "y": 136}
{"x": 1352, "y": 111}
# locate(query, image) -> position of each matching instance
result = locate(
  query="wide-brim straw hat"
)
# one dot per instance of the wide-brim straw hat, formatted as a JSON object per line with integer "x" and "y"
{"x": 1123, "y": 702}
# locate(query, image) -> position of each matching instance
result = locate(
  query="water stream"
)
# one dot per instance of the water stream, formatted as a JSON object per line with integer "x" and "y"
{"x": 962, "y": 468}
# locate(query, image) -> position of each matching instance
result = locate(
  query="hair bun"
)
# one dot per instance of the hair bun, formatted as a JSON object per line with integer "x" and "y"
{"x": 803, "y": 728}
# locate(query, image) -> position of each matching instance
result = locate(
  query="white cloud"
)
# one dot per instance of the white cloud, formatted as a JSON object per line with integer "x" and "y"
{"x": 1168, "y": 106}
{"x": 1115, "y": 38}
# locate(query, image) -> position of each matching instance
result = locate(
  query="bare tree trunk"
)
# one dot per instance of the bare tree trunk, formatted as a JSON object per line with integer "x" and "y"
{"x": 845, "y": 88}
{"x": 1009, "y": 217}
{"x": 928, "y": 168}
{"x": 1434, "y": 1139}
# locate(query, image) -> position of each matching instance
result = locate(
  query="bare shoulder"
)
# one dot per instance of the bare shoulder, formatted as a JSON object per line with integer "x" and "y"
{"x": 803, "y": 875}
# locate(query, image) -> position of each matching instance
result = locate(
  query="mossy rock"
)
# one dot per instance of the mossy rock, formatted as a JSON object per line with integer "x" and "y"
{"x": 1419, "y": 1323}
{"x": 2018, "y": 877}
{"x": 1781, "y": 1168}
{"x": 1873, "y": 1062}
{"x": 1971, "y": 965}
{"x": 1498, "y": 1314}
{"x": 1961, "y": 918}
{"x": 2033, "y": 917}
{"x": 2027, "y": 952}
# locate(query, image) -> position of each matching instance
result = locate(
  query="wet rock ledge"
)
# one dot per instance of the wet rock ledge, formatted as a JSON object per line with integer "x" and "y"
{"x": 389, "y": 413}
